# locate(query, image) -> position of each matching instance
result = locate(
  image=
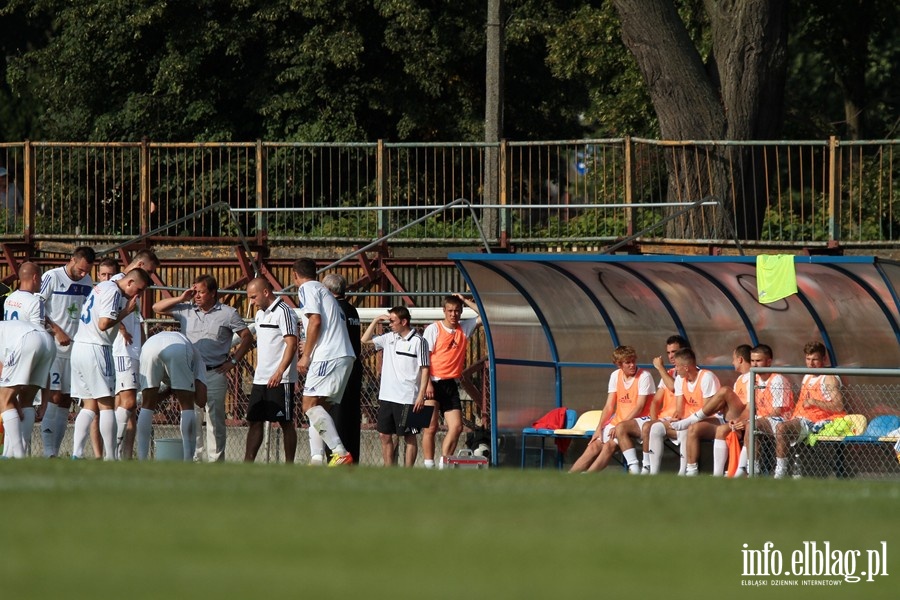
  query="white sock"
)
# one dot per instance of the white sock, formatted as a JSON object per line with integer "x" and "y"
{"x": 429, "y": 464}
{"x": 188, "y": 420}
{"x": 108, "y": 433}
{"x": 688, "y": 421}
{"x": 324, "y": 424}
{"x": 742, "y": 461}
{"x": 143, "y": 433}
{"x": 691, "y": 469}
{"x": 657, "y": 443}
{"x": 781, "y": 467}
{"x": 631, "y": 460}
{"x": 13, "y": 428}
{"x": 122, "y": 416}
{"x": 720, "y": 457}
{"x": 60, "y": 428}
{"x": 27, "y": 429}
{"x": 682, "y": 450}
{"x": 316, "y": 445}
{"x": 82, "y": 431}
{"x": 48, "y": 426}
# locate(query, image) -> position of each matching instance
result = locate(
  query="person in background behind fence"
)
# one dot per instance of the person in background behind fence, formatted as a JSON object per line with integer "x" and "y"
{"x": 347, "y": 414}
{"x": 210, "y": 326}
{"x": 10, "y": 200}
{"x": 64, "y": 290}
{"x": 447, "y": 339}
{"x": 404, "y": 377}
{"x": 326, "y": 360}
{"x": 272, "y": 396}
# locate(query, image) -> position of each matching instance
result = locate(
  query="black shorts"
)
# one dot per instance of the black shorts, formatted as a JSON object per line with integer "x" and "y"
{"x": 271, "y": 404}
{"x": 446, "y": 392}
{"x": 389, "y": 419}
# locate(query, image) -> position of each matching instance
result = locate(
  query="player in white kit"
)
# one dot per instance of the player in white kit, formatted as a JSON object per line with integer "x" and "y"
{"x": 170, "y": 358}
{"x": 93, "y": 373}
{"x": 26, "y": 353}
{"x": 63, "y": 290}
{"x": 25, "y": 304}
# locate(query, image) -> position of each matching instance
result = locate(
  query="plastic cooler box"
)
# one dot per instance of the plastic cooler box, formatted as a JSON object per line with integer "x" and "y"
{"x": 464, "y": 459}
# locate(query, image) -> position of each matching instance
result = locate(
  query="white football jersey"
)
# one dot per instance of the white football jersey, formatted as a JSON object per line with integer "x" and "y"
{"x": 334, "y": 341}
{"x": 63, "y": 299}
{"x": 106, "y": 300}
{"x": 24, "y": 306}
{"x": 132, "y": 323}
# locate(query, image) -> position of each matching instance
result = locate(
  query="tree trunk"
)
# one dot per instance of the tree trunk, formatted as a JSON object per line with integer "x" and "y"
{"x": 737, "y": 96}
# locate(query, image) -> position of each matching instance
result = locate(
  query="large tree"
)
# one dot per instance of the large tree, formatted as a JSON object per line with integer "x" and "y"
{"x": 734, "y": 92}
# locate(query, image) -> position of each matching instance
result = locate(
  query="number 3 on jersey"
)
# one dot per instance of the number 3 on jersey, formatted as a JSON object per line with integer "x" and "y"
{"x": 86, "y": 311}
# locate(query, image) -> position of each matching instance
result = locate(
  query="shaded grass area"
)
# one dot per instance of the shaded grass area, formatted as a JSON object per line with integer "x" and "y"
{"x": 158, "y": 530}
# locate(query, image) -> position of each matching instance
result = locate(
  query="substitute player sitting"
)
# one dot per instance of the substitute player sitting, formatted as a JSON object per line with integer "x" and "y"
{"x": 819, "y": 402}
{"x": 626, "y": 406}
{"x": 774, "y": 402}
{"x": 693, "y": 388}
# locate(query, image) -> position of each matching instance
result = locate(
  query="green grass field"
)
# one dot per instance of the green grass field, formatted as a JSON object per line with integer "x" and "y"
{"x": 170, "y": 530}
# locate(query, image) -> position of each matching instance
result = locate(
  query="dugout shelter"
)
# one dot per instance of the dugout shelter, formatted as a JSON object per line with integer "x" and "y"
{"x": 552, "y": 321}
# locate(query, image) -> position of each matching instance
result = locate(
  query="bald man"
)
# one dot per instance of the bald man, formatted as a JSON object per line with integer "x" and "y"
{"x": 25, "y": 304}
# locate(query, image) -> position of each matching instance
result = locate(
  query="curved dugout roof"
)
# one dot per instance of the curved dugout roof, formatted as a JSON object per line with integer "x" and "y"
{"x": 552, "y": 321}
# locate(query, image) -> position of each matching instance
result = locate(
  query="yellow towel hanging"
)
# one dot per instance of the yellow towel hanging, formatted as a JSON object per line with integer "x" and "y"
{"x": 776, "y": 277}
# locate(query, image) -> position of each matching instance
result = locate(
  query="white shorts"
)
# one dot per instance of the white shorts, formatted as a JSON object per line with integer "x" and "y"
{"x": 30, "y": 360}
{"x": 608, "y": 432}
{"x": 126, "y": 373}
{"x": 327, "y": 379}
{"x": 93, "y": 372}
{"x": 61, "y": 374}
{"x": 174, "y": 364}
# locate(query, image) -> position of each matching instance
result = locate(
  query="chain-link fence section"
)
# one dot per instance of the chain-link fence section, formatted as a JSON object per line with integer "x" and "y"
{"x": 473, "y": 391}
{"x": 844, "y": 427}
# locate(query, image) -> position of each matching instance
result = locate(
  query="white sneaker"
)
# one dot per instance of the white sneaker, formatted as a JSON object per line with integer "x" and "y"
{"x": 634, "y": 469}
{"x": 317, "y": 461}
{"x": 645, "y": 470}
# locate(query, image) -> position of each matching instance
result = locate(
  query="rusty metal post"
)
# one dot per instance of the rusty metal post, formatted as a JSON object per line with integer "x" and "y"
{"x": 144, "y": 187}
{"x": 629, "y": 212}
{"x": 29, "y": 199}
{"x": 834, "y": 205}
{"x": 262, "y": 224}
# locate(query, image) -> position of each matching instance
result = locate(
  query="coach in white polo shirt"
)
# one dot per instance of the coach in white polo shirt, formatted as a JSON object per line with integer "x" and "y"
{"x": 210, "y": 326}
{"x": 404, "y": 376}
{"x": 272, "y": 396}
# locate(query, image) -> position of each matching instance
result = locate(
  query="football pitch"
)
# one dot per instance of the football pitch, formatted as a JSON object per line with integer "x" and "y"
{"x": 171, "y": 530}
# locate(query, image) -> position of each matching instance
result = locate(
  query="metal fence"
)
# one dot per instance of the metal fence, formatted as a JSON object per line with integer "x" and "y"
{"x": 865, "y": 443}
{"x": 573, "y": 192}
